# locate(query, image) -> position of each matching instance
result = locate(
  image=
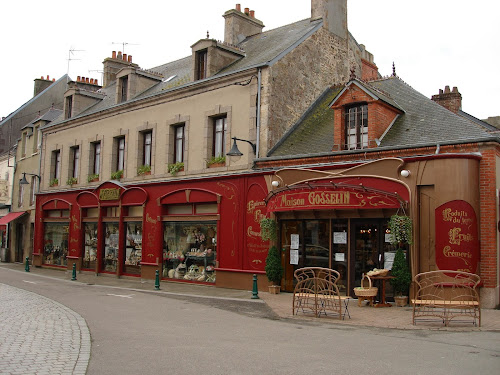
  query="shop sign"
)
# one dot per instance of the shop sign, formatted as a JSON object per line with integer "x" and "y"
{"x": 255, "y": 212}
{"x": 109, "y": 194}
{"x": 457, "y": 243}
{"x": 329, "y": 199}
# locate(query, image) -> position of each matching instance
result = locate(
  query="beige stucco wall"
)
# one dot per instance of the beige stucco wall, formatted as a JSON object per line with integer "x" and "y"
{"x": 6, "y": 178}
{"x": 194, "y": 108}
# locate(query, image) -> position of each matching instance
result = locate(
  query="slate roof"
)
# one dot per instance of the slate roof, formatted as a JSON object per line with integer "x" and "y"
{"x": 261, "y": 49}
{"x": 423, "y": 122}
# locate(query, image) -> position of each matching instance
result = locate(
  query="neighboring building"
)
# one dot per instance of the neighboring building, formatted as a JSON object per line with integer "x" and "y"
{"x": 367, "y": 150}
{"x": 27, "y": 170}
{"x": 177, "y": 201}
{"x": 6, "y": 177}
{"x": 47, "y": 94}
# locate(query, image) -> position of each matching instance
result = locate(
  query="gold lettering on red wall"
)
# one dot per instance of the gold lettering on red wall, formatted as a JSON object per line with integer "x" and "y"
{"x": 112, "y": 194}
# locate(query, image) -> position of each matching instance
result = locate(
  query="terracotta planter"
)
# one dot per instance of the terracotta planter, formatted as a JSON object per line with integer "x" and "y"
{"x": 274, "y": 289}
{"x": 401, "y": 301}
{"x": 217, "y": 165}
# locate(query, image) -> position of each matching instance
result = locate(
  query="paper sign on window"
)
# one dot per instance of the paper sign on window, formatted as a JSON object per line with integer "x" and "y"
{"x": 294, "y": 241}
{"x": 294, "y": 257}
{"x": 340, "y": 237}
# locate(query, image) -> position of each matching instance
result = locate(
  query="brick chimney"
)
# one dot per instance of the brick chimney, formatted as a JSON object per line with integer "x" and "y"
{"x": 41, "y": 84}
{"x": 240, "y": 25}
{"x": 333, "y": 13}
{"x": 451, "y": 100}
{"x": 113, "y": 64}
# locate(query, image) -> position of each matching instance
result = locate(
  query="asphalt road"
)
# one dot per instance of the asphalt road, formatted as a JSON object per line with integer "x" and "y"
{"x": 144, "y": 333}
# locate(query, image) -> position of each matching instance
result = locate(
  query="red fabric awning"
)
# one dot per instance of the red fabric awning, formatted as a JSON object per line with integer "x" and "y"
{"x": 10, "y": 216}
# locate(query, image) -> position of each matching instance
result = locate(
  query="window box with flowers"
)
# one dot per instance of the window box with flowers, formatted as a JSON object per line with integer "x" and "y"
{"x": 144, "y": 170}
{"x": 173, "y": 169}
{"x": 117, "y": 175}
{"x": 93, "y": 177}
{"x": 54, "y": 182}
{"x": 216, "y": 161}
{"x": 72, "y": 181}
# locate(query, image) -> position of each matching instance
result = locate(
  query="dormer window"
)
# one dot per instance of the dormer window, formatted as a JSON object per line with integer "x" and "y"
{"x": 356, "y": 127}
{"x": 123, "y": 82}
{"x": 68, "y": 110}
{"x": 201, "y": 64}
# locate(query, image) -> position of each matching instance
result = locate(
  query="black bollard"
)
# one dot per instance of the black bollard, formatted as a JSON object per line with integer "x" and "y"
{"x": 73, "y": 276}
{"x": 255, "y": 290}
{"x": 157, "y": 280}
{"x": 27, "y": 267}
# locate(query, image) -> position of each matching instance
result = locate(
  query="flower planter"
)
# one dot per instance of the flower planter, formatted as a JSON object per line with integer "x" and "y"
{"x": 216, "y": 165}
{"x": 401, "y": 301}
{"x": 274, "y": 289}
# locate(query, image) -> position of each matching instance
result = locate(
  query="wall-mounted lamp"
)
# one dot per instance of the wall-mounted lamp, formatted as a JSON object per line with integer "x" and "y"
{"x": 405, "y": 173}
{"x": 275, "y": 183}
{"x": 23, "y": 180}
{"x": 236, "y": 152}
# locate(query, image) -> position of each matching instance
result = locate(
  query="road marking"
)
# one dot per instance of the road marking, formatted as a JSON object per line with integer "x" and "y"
{"x": 120, "y": 295}
{"x": 29, "y": 282}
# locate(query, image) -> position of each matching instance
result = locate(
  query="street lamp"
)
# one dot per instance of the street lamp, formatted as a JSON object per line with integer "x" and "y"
{"x": 236, "y": 152}
{"x": 23, "y": 180}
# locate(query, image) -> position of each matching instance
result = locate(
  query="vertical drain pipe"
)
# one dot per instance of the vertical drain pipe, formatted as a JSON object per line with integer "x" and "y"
{"x": 258, "y": 114}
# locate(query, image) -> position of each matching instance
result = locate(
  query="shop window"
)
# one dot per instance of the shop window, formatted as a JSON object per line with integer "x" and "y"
{"x": 189, "y": 250}
{"x": 113, "y": 212}
{"x": 219, "y": 137}
{"x": 136, "y": 211}
{"x": 55, "y": 249}
{"x": 57, "y": 213}
{"x": 133, "y": 248}
{"x": 180, "y": 209}
{"x": 92, "y": 212}
{"x": 75, "y": 161}
{"x": 90, "y": 250}
{"x": 111, "y": 242}
{"x": 356, "y": 127}
{"x": 201, "y": 64}
{"x": 210, "y": 208}
{"x": 179, "y": 143}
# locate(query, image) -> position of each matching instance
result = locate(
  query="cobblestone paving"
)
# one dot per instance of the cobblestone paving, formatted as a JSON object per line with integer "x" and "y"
{"x": 40, "y": 336}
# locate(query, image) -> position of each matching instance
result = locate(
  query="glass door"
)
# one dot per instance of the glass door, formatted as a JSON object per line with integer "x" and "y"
{"x": 340, "y": 252}
{"x": 111, "y": 243}
{"x": 316, "y": 241}
{"x": 291, "y": 230}
{"x": 366, "y": 247}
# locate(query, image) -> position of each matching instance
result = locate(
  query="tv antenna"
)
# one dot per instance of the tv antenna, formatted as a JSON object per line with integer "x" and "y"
{"x": 99, "y": 71}
{"x": 124, "y": 44}
{"x": 70, "y": 53}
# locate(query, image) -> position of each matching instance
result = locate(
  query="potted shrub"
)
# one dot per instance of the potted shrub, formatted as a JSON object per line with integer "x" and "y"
{"x": 144, "y": 170}
{"x": 93, "y": 177}
{"x": 273, "y": 268}
{"x": 402, "y": 278}
{"x": 117, "y": 175}
{"x": 176, "y": 167}
{"x": 54, "y": 182}
{"x": 72, "y": 181}
{"x": 216, "y": 161}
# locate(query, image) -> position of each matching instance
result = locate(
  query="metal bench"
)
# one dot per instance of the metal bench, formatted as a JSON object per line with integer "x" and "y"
{"x": 446, "y": 295}
{"x": 317, "y": 293}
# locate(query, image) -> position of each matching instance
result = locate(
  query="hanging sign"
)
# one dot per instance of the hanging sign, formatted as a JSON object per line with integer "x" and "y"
{"x": 457, "y": 243}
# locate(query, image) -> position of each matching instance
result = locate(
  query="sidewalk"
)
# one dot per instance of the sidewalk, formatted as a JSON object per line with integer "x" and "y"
{"x": 388, "y": 317}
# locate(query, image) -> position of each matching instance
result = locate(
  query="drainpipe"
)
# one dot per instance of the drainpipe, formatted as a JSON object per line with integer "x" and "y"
{"x": 258, "y": 114}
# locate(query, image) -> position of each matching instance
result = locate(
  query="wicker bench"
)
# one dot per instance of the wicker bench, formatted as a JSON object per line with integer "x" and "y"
{"x": 317, "y": 293}
{"x": 446, "y": 295}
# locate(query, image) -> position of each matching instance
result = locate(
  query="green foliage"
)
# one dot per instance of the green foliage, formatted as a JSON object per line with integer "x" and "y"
{"x": 216, "y": 160}
{"x": 72, "y": 181}
{"x": 268, "y": 229}
{"x": 54, "y": 182}
{"x": 176, "y": 167}
{"x": 117, "y": 175}
{"x": 401, "y": 229}
{"x": 274, "y": 269}
{"x": 92, "y": 177}
{"x": 143, "y": 169}
{"x": 401, "y": 272}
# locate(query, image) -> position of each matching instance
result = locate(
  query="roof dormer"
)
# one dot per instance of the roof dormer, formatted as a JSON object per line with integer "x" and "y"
{"x": 80, "y": 95}
{"x": 210, "y": 56}
{"x": 132, "y": 81}
{"x": 362, "y": 116}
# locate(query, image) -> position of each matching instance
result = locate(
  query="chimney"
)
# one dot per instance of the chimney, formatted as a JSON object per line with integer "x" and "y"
{"x": 451, "y": 100}
{"x": 41, "y": 84}
{"x": 113, "y": 64}
{"x": 239, "y": 26}
{"x": 334, "y": 15}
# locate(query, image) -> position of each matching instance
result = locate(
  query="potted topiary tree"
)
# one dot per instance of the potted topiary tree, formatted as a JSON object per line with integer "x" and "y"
{"x": 273, "y": 268}
{"x": 402, "y": 278}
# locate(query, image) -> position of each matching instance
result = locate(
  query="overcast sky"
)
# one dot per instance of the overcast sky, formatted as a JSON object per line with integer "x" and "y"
{"x": 433, "y": 43}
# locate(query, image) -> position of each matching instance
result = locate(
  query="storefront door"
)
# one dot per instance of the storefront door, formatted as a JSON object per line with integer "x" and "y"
{"x": 19, "y": 242}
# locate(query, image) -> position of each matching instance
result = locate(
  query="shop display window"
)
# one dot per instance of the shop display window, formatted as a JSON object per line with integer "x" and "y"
{"x": 90, "y": 255}
{"x": 111, "y": 242}
{"x": 55, "y": 248}
{"x": 133, "y": 248}
{"x": 189, "y": 250}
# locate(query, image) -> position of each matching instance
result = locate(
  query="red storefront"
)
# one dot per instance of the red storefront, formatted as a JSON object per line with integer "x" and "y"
{"x": 194, "y": 230}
